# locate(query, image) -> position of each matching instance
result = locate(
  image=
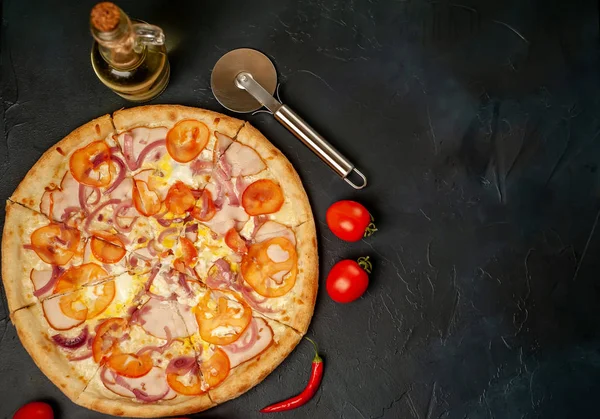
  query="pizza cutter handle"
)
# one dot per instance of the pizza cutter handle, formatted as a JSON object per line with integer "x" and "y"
{"x": 311, "y": 138}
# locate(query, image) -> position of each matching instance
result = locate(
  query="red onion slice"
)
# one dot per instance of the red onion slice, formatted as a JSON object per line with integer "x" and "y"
{"x": 252, "y": 300}
{"x": 119, "y": 209}
{"x": 120, "y": 175}
{"x": 67, "y": 213}
{"x": 181, "y": 365}
{"x": 204, "y": 209}
{"x": 167, "y": 232}
{"x": 128, "y": 151}
{"x": 71, "y": 343}
{"x": 143, "y": 396}
{"x": 151, "y": 248}
{"x": 247, "y": 340}
{"x": 148, "y": 149}
{"x": 226, "y": 185}
{"x": 184, "y": 284}
{"x": 56, "y": 271}
{"x": 153, "y": 274}
{"x": 83, "y": 357}
{"x": 90, "y": 217}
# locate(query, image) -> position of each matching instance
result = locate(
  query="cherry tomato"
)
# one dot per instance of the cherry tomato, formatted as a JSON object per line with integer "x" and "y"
{"x": 35, "y": 410}
{"x": 348, "y": 280}
{"x": 350, "y": 221}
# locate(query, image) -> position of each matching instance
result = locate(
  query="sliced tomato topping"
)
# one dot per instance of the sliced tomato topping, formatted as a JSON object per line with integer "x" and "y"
{"x": 270, "y": 267}
{"x": 77, "y": 276}
{"x": 80, "y": 307}
{"x": 91, "y": 165}
{"x": 186, "y": 140}
{"x": 179, "y": 198}
{"x": 130, "y": 365}
{"x": 145, "y": 200}
{"x": 262, "y": 197}
{"x": 216, "y": 368}
{"x": 235, "y": 241}
{"x": 104, "y": 295}
{"x": 72, "y": 306}
{"x": 193, "y": 388}
{"x": 205, "y": 207}
{"x": 55, "y": 243}
{"x": 222, "y": 319}
{"x": 107, "y": 338}
{"x": 190, "y": 254}
{"x": 107, "y": 248}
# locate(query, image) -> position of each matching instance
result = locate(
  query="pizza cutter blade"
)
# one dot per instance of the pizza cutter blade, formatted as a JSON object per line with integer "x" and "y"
{"x": 244, "y": 80}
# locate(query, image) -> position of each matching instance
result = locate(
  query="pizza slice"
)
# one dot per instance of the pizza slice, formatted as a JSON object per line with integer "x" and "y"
{"x": 43, "y": 251}
{"x": 59, "y": 333}
{"x": 76, "y": 176}
{"x": 152, "y": 370}
{"x": 273, "y": 266}
{"x": 237, "y": 347}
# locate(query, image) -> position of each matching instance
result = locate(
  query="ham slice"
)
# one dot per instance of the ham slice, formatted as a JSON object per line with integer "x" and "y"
{"x": 151, "y": 386}
{"x": 58, "y": 204}
{"x": 244, "y": 161}
{"x": 223, "y": 142}
{"x": 124, "y": 191}
{"x": 227, "y": 217}
{"x": 256, "y": 338}
{"x": 159, "y": 316}
{"x": 272, "y": 229}
{"x": 57, "y": 319}
{"x": 188, "y": 318}
{"x": 140, "y": 138}
{"x": 41, "y": 279}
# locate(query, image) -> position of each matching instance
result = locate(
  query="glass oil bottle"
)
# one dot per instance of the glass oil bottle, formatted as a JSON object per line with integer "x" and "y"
{"x": 128, "y": 56}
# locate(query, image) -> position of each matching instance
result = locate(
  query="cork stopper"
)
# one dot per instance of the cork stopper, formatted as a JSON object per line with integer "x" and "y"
{"x": 105, "y": 16}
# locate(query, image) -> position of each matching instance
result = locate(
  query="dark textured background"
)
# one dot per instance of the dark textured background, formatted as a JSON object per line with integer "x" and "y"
{"x": 478, "y": 127}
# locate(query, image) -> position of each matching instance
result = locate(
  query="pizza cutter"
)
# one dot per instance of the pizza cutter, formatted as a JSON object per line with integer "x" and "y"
{"x": 244, "y": 80}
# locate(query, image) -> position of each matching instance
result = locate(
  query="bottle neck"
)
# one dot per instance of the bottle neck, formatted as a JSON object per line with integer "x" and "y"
{"x": 118, "y": 47}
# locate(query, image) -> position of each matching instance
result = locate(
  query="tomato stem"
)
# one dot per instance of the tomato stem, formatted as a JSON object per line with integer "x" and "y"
{"x": 365, "y": 263}
{"x": 371, "y": 228}
{"x": 317, "y": 357}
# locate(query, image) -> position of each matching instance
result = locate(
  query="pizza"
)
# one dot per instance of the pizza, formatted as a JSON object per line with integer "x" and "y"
{"x": 160, "y": 261}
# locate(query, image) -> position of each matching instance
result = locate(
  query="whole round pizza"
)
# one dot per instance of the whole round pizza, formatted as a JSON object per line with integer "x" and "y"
{"x": 160, "y": 261}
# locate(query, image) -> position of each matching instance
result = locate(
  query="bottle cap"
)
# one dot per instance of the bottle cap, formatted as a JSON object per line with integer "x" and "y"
{"x": 105, "y": 16}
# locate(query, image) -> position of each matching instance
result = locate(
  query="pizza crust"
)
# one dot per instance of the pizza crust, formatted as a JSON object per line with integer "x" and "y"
{"x": 248, "y": 374}
{"x": 152, "y": 116}
{"x": 303, "y": 304}
{"x": 70, "y": 377}
{"x": 295, "y": 308}
{"x": 282, "y": 170}
{"x": 53, "y": 164}
{"x": 97, "y": 397}
{"x": 19, "y": 223}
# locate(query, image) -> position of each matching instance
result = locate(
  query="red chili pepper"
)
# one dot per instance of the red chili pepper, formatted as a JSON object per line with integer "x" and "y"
{"x": 309, "y": 391}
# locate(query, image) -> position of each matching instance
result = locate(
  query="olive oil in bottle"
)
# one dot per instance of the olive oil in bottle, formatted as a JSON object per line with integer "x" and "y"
{"x": 128, "y": 56}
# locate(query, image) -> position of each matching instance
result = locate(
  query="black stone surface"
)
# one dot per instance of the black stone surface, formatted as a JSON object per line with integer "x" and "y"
{"x": 477, "y": 124}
